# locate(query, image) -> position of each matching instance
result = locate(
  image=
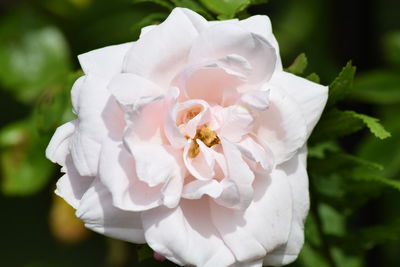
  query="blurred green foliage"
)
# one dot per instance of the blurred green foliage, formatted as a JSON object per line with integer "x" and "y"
{"x": 354, "y": 176}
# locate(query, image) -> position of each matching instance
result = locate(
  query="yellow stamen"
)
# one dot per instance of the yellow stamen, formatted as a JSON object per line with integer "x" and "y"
{"x": 207, "y": 136}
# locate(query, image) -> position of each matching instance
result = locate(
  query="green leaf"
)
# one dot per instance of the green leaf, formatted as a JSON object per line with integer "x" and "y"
{"x": 163, "y": 3}
{"x": 342, "y": 84}
{"x": 195, "y": 6}
{"x": 313, "y": 77}
{"x": 373, "y": 124}
{"x": 299, "y": 65}
{"x": 362, "y": 174}
{"x": 321, "y": 149}
{"x": 336, "y": 123}
{"x": 391, "y": 47}
{"x": 377, "y": 87}
{"x": 33, "y": 55}
{"x": 24, "y": 171}
{"x": 226, "y": 9}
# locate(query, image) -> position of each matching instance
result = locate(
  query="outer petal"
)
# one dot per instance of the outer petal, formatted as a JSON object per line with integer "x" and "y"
{"x": 161, "y": 53}
{"x": 238, "y": 190}
{"x": 310, "y": 97}
{"x": 282, "y": 126}
{"x": 118, "y": 173}
{"x": 264, "y": 225}
{"x": 194, "y": 241}
{"x": 71, "y": 187}
{"x": 98, "y": 213}
{"x": 296, "y": 172}
{"x": 228, "y": 38}
{"x": 58, "y": 147}
{"x": 104, "y": 62}
{"x": 99, "y": 117}
{"x": 261, "y": 25}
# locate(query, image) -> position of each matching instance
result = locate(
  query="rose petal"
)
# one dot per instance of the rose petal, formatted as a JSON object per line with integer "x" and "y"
{"x": 201, "y": 166}
{"x": 255, "y": 152}
{"x": 99, "y": 215}
{"x": 236, "y": 121}
{"x": 105, "y": 62}
{"x": 225, "y": 39}
{"x": 261, "y": 25}
{"x": 197, "y": 189}
{"x": 71, "y": 186}
{"x": 270, "y": 210}
{"x": 129, "y": 88}
{"x": 194, "y": 241}
{"x": 161, "y": 53}
{"x": 58, "y": 148}
{"x": 296, "y": 172}
{"x": 310, "y": 97}
{"x": 282, "y": 126}
{"x": 256, "y": 99}
{"x": 117, "y": 172}
{"x": 238, "y": 191}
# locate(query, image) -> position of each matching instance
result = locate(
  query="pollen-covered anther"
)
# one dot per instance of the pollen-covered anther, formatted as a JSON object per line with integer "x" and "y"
{"x": 207, "y": 136}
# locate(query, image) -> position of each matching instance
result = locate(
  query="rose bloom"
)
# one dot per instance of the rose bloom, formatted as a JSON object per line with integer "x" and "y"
{"x": 192, "y": 140}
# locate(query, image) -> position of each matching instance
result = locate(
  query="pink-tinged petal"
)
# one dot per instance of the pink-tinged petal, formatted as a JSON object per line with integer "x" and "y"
{"x": 160, "y": 54}
{"x": 255, "y": 152}
{"x": 197, "y": 189}
{"x": 194, "y": 240}
{"x": 265, "y": 223}
{"x": 256, "y": 99}
{"x": 310, "y": 97}
{"x": 155, "y": 164}
{"x": 238, "y": 190}
{"x": 99, "y": 215}
{"x": 201, "y": 166}
{"x": 71, "y": 187}
{"x": 99, "y": 117}
{"x": 261, "y": 25}
{"x": 210, "y": 83}
{"x": 225, "y": 39}
{"x": 58, "y": 148}
{"x": 172, "y": 189}
{"x": 129, "y": 88}
{"x": 75, "y": 93}
{"x": 236, "y": 121}
{"x": 105, "y": 62}
{"x": 296, "y": 172}
{"x": 282, "y": 126}
{"x": 117, "y": 172}
{"x": 191, "y": 125}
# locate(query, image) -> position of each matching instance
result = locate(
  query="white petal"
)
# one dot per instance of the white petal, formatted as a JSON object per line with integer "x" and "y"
{"x": 117, "y": 172}
{"x": 255, "y": 152}
{"x": 161, "y": 53}
{"x": 282, "y": 126}
{"x": 193, "y": 241}
{"x": 99, "y": 117}
{"x": 264, "y": 224}
{"x": 298, "y": 180}
{"x": 98, "y": 213}
{"x": 238, "y": 190}
{"x": 129, "y": 88}
{"x": 310, "y": 97}
{"x": 257, "y": 99}
{"x": 225, "y": 39}
{"x": 261, "y": 25}
{"x": 154, "y": 164}
{"x": 71, "y": 187}
{"x": 58, "y": 147}
{"x": 197, "y": 189}
{"x": 104, "y": 62}
{"x": 201, "y": 166}
{"x": 236, "y": 121}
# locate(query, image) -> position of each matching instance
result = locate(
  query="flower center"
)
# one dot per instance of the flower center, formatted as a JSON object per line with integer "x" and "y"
{"x": 207, "y": 136}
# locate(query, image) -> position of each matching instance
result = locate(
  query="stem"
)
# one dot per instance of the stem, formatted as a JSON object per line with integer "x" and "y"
{"x": 325, "y": 245}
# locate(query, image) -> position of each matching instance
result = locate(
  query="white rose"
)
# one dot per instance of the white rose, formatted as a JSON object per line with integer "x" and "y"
{"x": 193, "y": 140}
